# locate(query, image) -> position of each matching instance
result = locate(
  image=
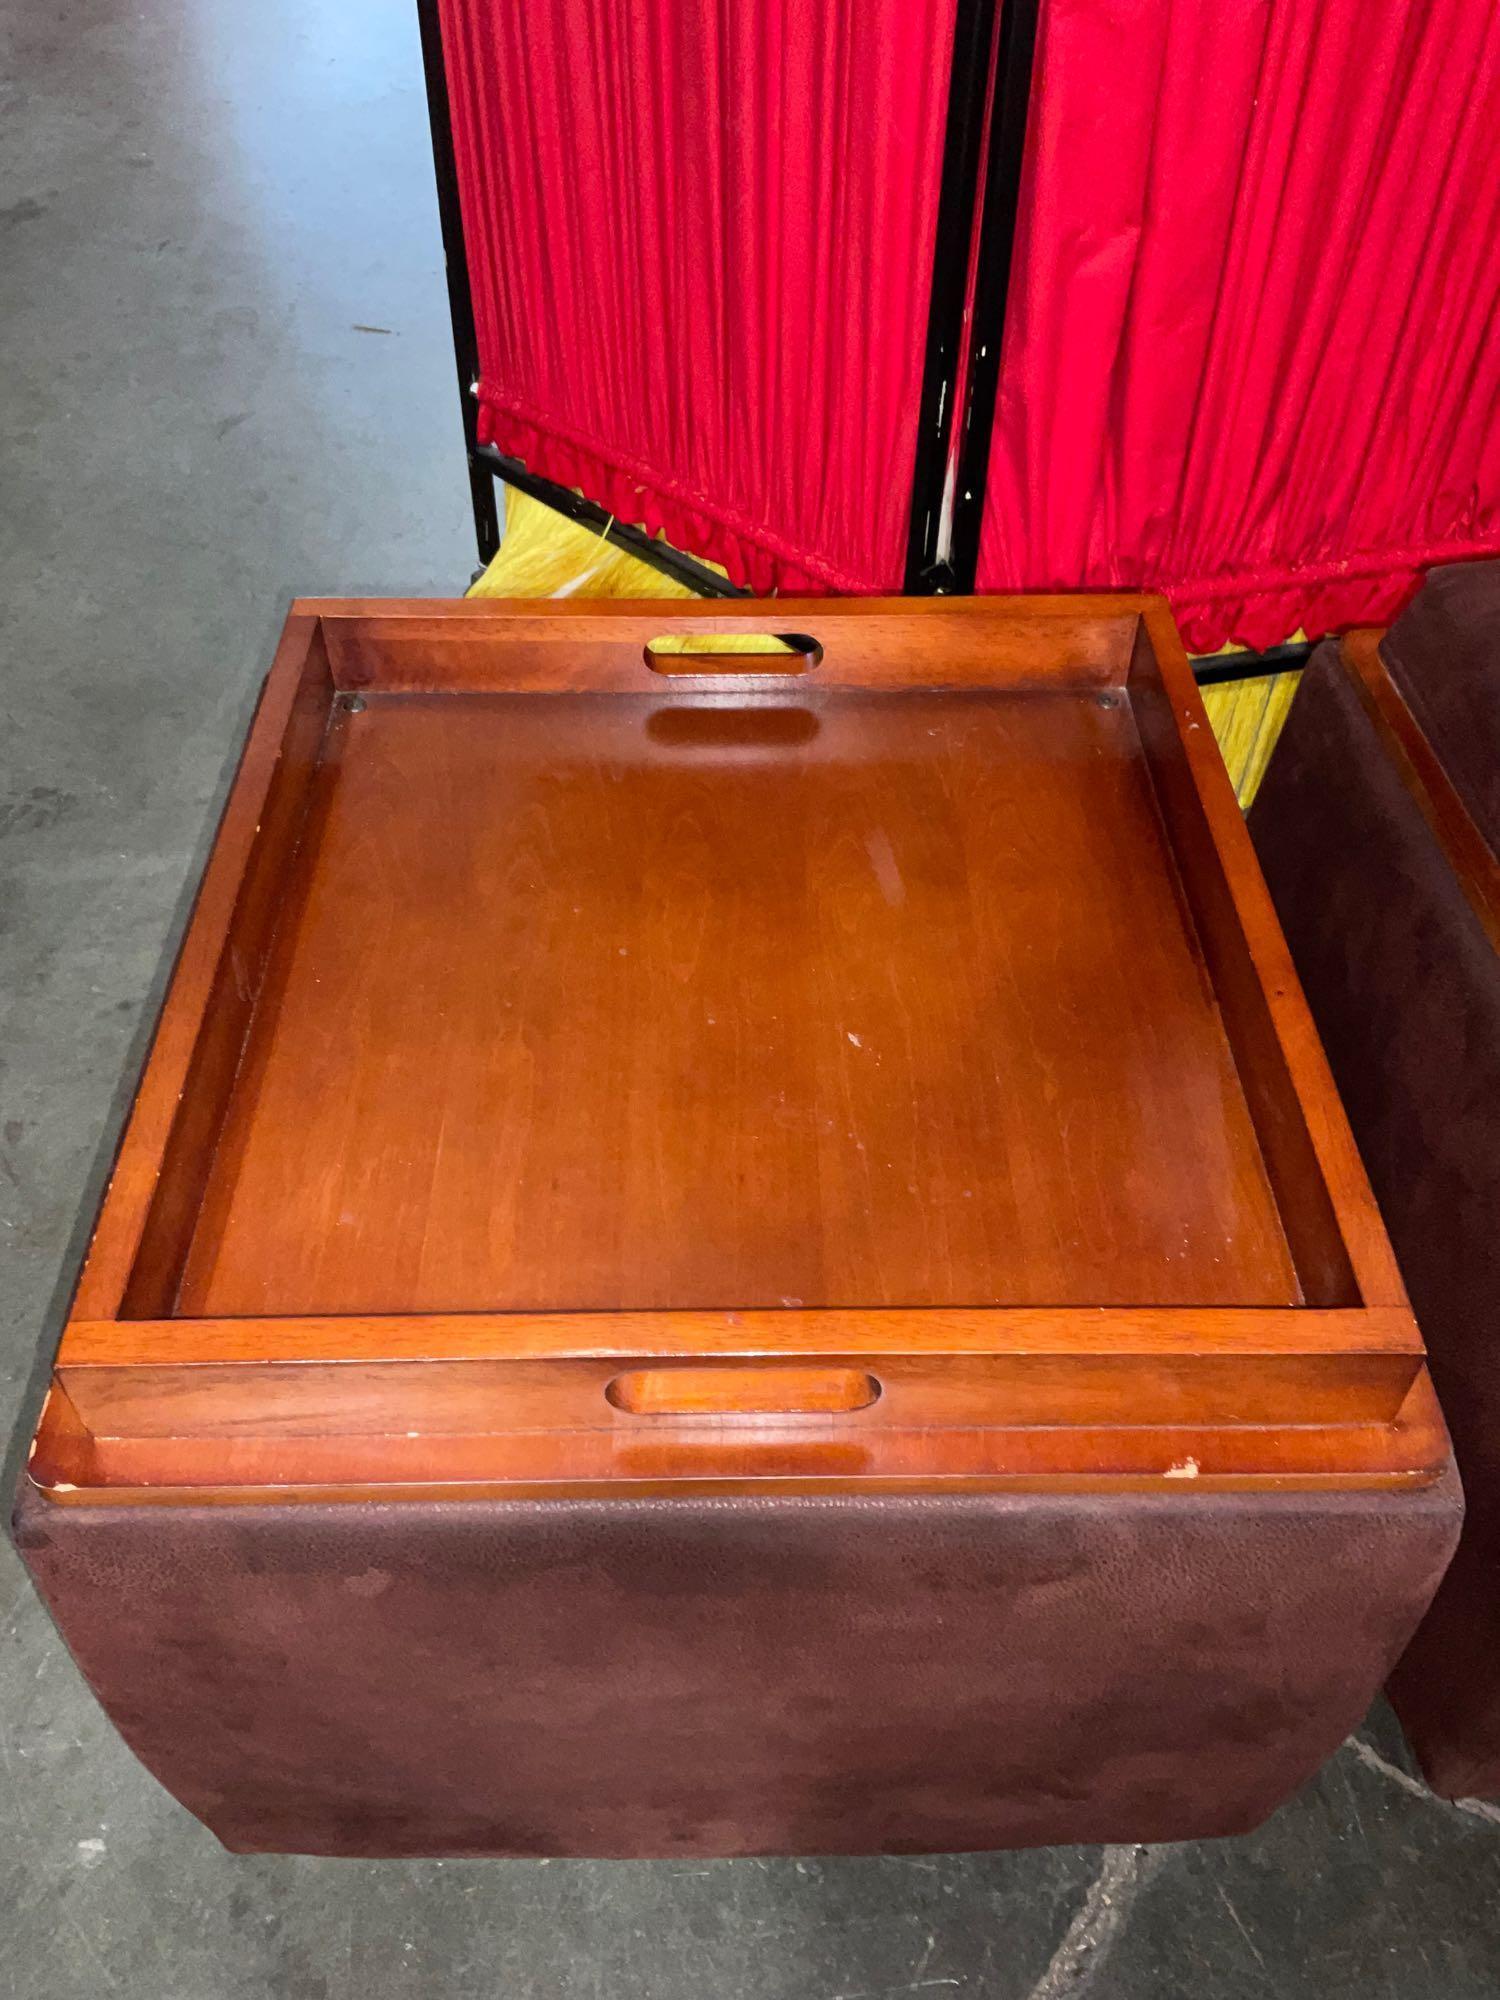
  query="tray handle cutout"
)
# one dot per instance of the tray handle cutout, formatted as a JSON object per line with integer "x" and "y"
{"x": 775, "y": 655}
{"x": 742, "y": 1392}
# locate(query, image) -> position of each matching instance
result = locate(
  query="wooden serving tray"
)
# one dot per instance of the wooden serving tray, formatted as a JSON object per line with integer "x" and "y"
{"x": 869, "y": 1068}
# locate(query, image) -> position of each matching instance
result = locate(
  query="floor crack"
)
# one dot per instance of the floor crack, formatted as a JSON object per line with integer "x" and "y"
{"x": 1372, "y": 1760}
{"x": 1098, "y": 1923}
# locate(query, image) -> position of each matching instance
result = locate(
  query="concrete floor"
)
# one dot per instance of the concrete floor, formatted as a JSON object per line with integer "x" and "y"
{"x": 204, "y": 206}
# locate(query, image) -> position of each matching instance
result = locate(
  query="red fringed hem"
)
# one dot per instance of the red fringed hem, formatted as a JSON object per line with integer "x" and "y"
{"x": 1265, "y": 610}
{"x": 1244, "y": 609}
{"x": 753, "y": 556}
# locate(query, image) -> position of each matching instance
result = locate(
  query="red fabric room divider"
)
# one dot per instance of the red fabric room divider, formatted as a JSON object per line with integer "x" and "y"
{"x": 700, "y": 239}
{"x": 1252, "y": 355}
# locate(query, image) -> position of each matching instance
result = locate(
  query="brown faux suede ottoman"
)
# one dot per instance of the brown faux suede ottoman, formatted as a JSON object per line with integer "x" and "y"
{"x": 739, "y": 1676}
{"x": 1377, "y": 827}
{"x": 735, "y": 1252}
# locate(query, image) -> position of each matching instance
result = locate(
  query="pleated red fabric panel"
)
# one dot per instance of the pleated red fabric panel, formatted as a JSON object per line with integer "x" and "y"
{"x": 1252, "y": 355}
{"x": 700, "y": 239}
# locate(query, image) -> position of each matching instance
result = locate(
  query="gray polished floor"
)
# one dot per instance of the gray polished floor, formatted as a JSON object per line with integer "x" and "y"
{"x": 224, "y": 378}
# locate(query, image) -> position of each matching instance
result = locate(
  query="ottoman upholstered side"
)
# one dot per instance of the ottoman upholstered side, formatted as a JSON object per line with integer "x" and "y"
{"x": 723, "y": 1676}
{"x": 1405, "y": 987}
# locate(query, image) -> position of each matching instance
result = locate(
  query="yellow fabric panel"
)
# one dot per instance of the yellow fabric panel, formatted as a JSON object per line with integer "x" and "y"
{"x": 544, "y": 554}
{"x": 1247, "y": 718}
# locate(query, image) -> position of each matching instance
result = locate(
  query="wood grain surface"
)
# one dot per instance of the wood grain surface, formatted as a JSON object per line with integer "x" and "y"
{"x": 607, "y": 1003}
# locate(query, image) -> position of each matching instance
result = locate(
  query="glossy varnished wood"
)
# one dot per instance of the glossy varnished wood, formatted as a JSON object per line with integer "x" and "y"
{"x": 890, "y": 644}
{"x": 654, "y": 1456}
{"x": 598, "y": 1003}
{"x": 549, "y": 1024}
{"x": 1334, "y": 1229}
{"x": 1148, "y": 1330}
